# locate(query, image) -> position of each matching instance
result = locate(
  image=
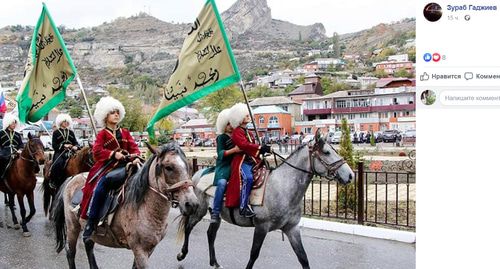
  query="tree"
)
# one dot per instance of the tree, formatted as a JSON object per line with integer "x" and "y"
{"x": 326, "y": 84}
{"x": 336, "y": 45}
{"x": 134, "y": 120}
{"x": 347, "y": 194}
{"x": 76, "y": 111}
{"x": 345, "y": 144}
{"x": 214, "y": 103}
{"x": 260, "y": 91}
{"x": 380, "y": 73}
{"x": 402, "y": 73}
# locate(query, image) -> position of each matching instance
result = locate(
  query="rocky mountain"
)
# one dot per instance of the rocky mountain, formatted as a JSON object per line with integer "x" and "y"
{"x": 253, "y": 17}
{"x": 378, "y": 36}
{"x": 127, "y": 48}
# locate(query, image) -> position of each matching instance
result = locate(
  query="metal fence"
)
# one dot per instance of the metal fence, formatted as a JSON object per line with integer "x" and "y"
{"x": 381, "y": 198}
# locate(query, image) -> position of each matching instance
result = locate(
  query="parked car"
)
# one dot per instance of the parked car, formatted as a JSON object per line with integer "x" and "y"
{"x": 209, "y": 143}
{"x": 307, "y": 138}
{"x": 409, "y": 137}
{"x": 391, "y": 136}
{"x": 378, "y": 137}
{"x": 198, "y": 142}
{"x": 335, "y": 137}
{"x": 47, "y": 142}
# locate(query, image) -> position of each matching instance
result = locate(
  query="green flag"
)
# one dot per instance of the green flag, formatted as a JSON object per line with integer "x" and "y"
{"x": 205, "y": 65}
{"x": 49, "y": 70}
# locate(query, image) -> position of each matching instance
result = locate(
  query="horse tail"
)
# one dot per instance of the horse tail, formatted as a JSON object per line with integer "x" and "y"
{"x": 58, "y": 220}
{"x": 181, "y": 229}
{"x": 45, "y": 188}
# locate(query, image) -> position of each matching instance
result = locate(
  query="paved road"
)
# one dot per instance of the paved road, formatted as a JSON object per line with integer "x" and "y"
{"x": 326, "y": 250}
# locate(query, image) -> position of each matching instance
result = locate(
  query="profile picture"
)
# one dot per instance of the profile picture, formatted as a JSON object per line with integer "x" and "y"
{"x": 428, "y": 97}
{"x": 433, "y": 12}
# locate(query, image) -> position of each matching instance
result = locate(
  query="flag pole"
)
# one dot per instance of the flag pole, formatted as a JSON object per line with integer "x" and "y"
{"x": 87, "y": 104}
{"x": 250, "y": 111}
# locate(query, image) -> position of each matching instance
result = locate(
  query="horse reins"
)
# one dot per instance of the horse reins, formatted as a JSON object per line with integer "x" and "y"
{"x": 176, "y": 187}
{"x": 313, "y": 153}
{"x": 31, "y": 154}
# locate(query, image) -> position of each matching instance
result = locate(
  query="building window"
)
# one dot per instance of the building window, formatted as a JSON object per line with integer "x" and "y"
{"x": 261, "y": 120}
{"x": 285, "y": 108}
{"x": 341, "y": 103}
{"x": 351, "y": 116}
{"x": 363, "y": 115}
{"x": 307, "y": 130}
{"x": 395, "y": 114}
{"x": 273, "y": 120}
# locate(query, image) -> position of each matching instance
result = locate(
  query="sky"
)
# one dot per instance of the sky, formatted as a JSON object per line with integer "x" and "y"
{"x": 341, "y": 16}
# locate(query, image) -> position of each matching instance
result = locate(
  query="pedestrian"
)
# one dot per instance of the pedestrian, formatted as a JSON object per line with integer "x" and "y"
{"x": 11, "y": 143}
{"x": 225, "y": 153}
{"x": 63, "y": 142}
{"x": 113, "y": 148}
{"x": 242, "y": 163}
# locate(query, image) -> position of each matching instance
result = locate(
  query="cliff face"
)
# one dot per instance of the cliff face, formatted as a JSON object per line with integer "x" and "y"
{"x": 253, "y": 17}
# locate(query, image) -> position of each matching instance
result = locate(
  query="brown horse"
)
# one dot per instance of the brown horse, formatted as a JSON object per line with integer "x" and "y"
{"x": 20, "y": 180}
{"x": 79, "y": 162}
{"x": 140, "y": 222}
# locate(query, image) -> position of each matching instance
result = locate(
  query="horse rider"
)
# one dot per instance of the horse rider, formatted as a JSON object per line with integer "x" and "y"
{"x": 242, "y": 163}
{"x": 63, "y": 142}
{"x": 225, "y": 154}
{"x": 11, "y": 143}
{"x": 113, "y": 148}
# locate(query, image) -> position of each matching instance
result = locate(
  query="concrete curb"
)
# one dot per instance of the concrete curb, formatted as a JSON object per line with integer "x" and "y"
{"x": 354, "y": 229}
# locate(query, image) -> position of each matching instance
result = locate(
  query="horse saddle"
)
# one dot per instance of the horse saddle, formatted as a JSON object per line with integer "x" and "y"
{"x": 260, "y": 174}
{"x": 109, "y": 207}
{"x": 256, "y": 195}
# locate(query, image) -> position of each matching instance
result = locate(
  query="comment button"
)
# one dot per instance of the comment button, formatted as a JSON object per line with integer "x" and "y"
{"x": 470, "y": 98}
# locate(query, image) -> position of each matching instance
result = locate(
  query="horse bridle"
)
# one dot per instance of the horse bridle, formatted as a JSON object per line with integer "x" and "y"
{"x": 31, "y": 153}
{"x": 330, "y": 168}
{"x": 313, "y": 153}
{"x": 171, "y": 190}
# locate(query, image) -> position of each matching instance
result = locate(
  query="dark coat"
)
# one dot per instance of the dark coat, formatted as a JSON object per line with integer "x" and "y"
{"x": 223, "y": 163}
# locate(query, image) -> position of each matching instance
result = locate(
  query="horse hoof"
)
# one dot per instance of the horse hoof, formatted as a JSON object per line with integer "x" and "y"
{"x": 26, "y": 234}
{"x": 218, "y": 266}
{"x": 17, "y": 226}
{"x": 181, "y": 256}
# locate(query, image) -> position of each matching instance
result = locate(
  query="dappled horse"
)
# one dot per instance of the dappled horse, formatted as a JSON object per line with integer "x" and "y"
{"x": 281, "y": 209}
{"x": 79, "y": 162}
{"x": 140, "y": 222}
{"x": 20, "y": 180}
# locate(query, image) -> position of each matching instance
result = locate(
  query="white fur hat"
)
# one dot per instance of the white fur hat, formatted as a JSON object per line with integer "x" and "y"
{"x": 105, "y": 106}
{"x": 62, "y": 118}
{"x": 222, "y": 121}
{"x": 8, "y": 119}
{"x": 237, "y": 114}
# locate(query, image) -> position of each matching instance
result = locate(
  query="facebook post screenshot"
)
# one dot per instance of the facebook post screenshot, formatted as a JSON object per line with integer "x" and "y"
{"x": 458, "y": 105}
{"x": 284, "y": 133}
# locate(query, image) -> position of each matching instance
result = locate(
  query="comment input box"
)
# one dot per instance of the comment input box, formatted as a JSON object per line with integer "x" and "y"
{"x": 470, "y": 98}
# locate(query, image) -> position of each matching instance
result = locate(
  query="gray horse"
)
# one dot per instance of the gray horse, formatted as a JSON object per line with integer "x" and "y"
{"x": 286, "y": 186}
{"x": 140, "y": 222}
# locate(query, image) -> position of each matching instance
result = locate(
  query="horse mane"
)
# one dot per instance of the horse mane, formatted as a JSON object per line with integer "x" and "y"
{"x": 291, "y": 154}
{"x": 139, "y": 183}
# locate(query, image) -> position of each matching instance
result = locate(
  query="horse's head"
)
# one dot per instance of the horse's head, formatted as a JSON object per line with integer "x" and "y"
{"x": 172, "y": 173}
{"x": 35, "y": 148}
{"x": 326, "y": 161}
{"x": 87, "y": 157}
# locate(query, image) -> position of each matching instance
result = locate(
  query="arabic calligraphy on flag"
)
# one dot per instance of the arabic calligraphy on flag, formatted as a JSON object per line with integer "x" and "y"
{"x": 49, "y": 70}
{"x": 205, "y": 65}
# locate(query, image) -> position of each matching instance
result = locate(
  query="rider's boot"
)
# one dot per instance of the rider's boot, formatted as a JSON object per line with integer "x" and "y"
{"x": 89, "y": 229}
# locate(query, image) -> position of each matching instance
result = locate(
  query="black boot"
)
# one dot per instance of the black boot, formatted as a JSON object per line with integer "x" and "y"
{"x": 247, "y": 212}
{"x": 89, "y": 229}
